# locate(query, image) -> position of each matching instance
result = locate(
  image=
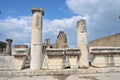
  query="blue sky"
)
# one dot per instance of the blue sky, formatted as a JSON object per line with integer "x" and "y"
{"x": 53, "y": 9}
{"x": 101, "y": 17}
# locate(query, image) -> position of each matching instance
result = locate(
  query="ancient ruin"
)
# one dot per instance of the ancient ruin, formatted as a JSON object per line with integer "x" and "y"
{"x": 21, "y": 54}
{"x": 2, "y": 48}
{"x": 58, "y": 58}
{"x": 82, "y": 43}
{"x": 36, "y": 39}
{"x": 105, "y": 51}
{"x": 8, "y": 46}
{"x": 5, "y": 47}
{"x": 61, "y": 41}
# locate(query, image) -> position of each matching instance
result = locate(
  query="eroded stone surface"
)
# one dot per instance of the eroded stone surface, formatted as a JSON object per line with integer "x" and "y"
{"x": 61, "y": 41}
{"x": 82, "y": 43}
{"x": 10, "y": 63}
{"x": 103, "y": 76}
{"x": 36, "y": 39}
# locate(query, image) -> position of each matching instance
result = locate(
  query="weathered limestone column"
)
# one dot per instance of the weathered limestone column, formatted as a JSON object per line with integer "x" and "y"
{"x": 8, "y": 46}
{"x": 47, "y": 42}
{"x": 82, "y": 43}
{"x": 36, "y": 39}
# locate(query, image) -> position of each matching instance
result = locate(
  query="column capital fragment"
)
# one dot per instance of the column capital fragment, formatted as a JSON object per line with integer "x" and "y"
{"x": 9, "y": 40}
{"x": 41, "y": 10}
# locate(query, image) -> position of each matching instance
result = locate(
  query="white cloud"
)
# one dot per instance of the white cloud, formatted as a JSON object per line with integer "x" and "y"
{"x": 55, "y": 25}
{"x": 102, "y": 15}
{"x": 102, "y": 19}
{"x": 51, "y": 28}
{"x": 18, "y": 29}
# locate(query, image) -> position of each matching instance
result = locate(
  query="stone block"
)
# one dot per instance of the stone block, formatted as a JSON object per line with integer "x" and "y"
{"x": 100, "y": 61}
{"x": 116, "y": 60}
{"x": 55, "y": 63}
{"x": 10, "y": 63}
{"x": 7, "y": 63}
{"x": 73, "y": 62}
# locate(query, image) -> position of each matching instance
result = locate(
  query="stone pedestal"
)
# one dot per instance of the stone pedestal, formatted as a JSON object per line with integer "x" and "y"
{"x": 8, "y": 46}
{"x": 82, "y": 43}
{"x": 21, "y": 54}
{"x": 36, "y": 39}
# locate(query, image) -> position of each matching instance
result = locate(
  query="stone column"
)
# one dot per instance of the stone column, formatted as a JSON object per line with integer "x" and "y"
{"x": 36, "y": 39}
{"x": 47, "y": 42}
{"x": 82, "y": 43}
{"x": 8, "y": 46}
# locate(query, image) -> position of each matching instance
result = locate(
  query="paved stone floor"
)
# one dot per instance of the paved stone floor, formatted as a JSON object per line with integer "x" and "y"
{"x": 102, "y": 76}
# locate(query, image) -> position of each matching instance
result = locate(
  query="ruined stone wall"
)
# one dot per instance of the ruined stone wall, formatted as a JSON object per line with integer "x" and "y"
{"x": 61, "y": 41}
{"x": 2, "y": 47}
{"x": 105, "y": 51}
{"x": 109, "y": 41}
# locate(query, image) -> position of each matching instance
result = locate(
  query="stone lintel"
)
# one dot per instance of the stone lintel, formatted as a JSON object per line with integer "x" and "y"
{"x": 37, "y": 10}
{"x": 100, "y": 47}
{"x": 20, "y": 46}
{"x": 104, "y": 50}
{"x": 63, "y": 51}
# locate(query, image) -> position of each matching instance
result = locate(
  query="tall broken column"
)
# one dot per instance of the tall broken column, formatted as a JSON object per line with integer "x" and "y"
{"x": 8, "y": 46}
{"x": 36, "y": 39}
{"x": 82, "y": 43}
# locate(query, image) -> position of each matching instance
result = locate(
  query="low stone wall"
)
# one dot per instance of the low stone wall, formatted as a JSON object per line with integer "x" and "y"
{"x": 31, "y": 73}
{"x": 8, "y": 63}
{"x": 105, "y": 56}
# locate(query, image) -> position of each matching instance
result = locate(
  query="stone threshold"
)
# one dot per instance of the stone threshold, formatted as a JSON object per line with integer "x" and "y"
{"x": 31, "y": 73}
